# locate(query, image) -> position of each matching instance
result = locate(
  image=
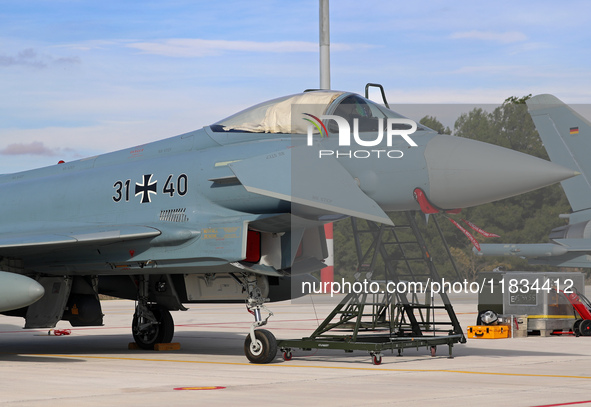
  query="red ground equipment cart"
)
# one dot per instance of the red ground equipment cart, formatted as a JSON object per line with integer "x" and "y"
{"x": 582, "y": 306}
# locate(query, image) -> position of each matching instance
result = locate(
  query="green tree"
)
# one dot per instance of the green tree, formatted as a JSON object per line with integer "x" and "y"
{"x": 434, "y": 124}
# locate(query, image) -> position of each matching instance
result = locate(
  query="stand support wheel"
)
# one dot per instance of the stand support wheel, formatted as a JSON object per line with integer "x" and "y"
{"x": 287, "y": 355}
{"x": 376, "y": 359}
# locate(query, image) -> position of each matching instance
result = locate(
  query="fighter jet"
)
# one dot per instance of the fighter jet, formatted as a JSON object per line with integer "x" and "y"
{"x": 233, "y": 211}
{"x": 565, "y": 135}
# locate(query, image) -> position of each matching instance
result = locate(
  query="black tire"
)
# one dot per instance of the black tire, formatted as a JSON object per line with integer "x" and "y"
{"x": 266, "y": 350}
{"x": 161, "y": 333}
{"x": 585, "y": 327}
{"x": 576, "y": 327}
{"x": 166, "y": 324}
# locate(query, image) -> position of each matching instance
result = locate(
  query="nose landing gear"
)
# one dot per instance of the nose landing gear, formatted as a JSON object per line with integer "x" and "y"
{"x": 260, "y": 346}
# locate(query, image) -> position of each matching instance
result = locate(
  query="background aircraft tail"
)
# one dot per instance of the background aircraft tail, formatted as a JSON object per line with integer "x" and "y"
{"x": 567, "y": 138}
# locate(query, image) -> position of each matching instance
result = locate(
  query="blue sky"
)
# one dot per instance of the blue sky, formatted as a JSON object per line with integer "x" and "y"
{"x": 80, "y": 78}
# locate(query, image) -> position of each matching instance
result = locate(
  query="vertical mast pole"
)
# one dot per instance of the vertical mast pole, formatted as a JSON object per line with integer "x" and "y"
{"x": 324, "y": 45}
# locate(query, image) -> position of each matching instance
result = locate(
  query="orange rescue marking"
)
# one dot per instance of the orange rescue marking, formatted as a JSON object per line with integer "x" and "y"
{"x": 200, "y": 388}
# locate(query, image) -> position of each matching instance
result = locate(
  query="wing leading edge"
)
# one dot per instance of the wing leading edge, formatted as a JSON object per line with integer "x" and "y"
{"x": 48, "y": 238}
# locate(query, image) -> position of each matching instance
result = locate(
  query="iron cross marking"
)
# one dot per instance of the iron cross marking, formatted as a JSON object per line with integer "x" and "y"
{"x": 146, "y": 188}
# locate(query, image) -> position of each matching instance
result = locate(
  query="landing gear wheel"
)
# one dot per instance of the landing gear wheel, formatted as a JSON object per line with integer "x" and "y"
{"x": 147, "y": 335}
{"x": 585, "y": 327}
{"x": 576, "y": 326}
{"x": 433, "y": 351}
{"x": 376, "y": 359}
{"x": 287, "y": 355}
{"x": 263, "y": 350}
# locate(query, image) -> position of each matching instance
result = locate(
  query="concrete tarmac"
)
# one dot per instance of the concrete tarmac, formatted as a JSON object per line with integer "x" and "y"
{"x": 93, "y": 366}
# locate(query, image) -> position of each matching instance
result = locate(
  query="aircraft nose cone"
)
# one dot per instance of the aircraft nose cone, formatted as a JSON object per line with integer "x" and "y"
{"x": 464, "y": 172}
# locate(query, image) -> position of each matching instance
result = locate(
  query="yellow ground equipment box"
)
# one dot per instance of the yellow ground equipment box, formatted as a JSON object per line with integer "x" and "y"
{"x": 489, "y": 331}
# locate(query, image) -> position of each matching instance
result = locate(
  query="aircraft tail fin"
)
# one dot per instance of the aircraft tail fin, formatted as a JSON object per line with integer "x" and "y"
{"x": 567, "y": 138}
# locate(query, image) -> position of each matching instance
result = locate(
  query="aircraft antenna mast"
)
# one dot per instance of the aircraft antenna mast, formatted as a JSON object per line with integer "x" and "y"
{"x": 324, "y": 45}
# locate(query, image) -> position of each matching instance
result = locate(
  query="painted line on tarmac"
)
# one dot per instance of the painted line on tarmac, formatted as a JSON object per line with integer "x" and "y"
{"x": 200, "y": 388}
{"x": 376, "y": 369}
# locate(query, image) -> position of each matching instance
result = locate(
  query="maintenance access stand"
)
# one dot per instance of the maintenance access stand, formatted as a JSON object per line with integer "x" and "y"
{"x": 387, "y": 320}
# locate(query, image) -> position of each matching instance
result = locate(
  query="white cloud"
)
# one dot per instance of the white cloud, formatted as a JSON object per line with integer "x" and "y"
{"x": 502, "y": 37}
{"x": 195, "y": 47}
{"x": 91, "y": 45}
{"x": 32, "y": 148}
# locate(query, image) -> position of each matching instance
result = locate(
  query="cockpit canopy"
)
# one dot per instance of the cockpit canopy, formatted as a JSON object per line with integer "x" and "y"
{"x": 287, "y": 114}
